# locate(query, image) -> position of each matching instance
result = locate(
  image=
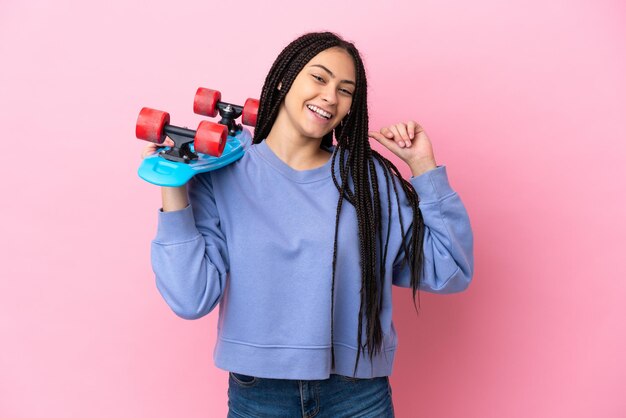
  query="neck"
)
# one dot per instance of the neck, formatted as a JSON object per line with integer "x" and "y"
{"x": 296, "y": 150}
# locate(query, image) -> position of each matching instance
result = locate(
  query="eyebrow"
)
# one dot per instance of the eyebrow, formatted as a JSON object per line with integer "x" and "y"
{"x": 331, "y": 74}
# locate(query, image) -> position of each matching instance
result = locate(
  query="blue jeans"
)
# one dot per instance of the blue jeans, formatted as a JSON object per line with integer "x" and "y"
{"x": 338, "y": 396}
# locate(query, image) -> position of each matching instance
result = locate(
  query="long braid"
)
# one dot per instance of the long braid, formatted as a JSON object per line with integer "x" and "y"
{"x": 356, "y": 163}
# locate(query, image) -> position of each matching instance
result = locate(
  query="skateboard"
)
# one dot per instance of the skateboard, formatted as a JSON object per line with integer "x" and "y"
{"x": 211, "y": 146}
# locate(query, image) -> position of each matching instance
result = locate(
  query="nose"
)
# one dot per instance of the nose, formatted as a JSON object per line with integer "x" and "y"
{"x": 329, "y": 94}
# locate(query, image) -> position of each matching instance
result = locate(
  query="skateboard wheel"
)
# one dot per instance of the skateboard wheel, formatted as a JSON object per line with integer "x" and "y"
{"x": 210, "y": 138}
{"x": 205, "y": 102}
{"x": 250, "y": 111}
{"x": 150, "y": 125}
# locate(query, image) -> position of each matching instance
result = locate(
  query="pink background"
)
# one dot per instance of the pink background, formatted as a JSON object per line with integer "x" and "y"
{"x": 525, "y": 102}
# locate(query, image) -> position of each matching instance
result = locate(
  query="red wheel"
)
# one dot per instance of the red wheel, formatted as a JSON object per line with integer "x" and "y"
{"x": 150, "y": 125}
{"x": 250, "y": 111}
{"x": 205, "y": 102}
{"x": 210, "y": 138}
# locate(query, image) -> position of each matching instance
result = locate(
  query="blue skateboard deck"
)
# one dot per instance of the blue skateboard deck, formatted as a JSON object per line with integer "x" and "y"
{"x": 162, "y": 172}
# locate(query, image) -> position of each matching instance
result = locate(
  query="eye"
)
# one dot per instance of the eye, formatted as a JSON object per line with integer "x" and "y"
{"x": 347, "y": 92}
{"x": 317, "y": 77}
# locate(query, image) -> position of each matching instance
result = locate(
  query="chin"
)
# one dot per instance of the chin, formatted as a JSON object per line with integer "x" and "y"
{"x": 316, "y": 133}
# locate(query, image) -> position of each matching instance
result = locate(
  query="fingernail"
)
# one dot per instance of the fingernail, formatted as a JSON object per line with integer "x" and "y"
{"x": 401, "y": 143}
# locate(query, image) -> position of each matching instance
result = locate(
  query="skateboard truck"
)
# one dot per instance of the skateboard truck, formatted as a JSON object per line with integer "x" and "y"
{"x": 208, "y": 102}
{"x": 229, "y": 112}
{"x": 181, "y": 151}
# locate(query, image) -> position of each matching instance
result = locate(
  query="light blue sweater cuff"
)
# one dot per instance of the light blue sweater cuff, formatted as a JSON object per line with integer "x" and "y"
{"x": 432, "y": 185}
{"x": 176, "y": 226}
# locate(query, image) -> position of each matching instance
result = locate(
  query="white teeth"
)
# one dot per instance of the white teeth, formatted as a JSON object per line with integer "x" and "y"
{"x": 319, "y": 111}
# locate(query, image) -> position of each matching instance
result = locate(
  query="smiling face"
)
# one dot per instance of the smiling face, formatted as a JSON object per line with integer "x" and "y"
{"x": 320, "y": 96}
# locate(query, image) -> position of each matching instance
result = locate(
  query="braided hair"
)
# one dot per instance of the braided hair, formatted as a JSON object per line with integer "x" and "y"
{"x": 352, "y": 137}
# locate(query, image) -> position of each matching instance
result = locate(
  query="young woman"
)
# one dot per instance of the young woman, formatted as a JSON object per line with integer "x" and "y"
{"x": 300, "y": 241}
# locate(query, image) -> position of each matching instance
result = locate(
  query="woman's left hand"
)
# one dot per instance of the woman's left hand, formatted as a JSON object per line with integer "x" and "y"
{"x": 408, "y": 141}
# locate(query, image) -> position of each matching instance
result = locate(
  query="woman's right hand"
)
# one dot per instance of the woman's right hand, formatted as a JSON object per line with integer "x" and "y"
{"x": 152, "y": 148}
{"x": 174, "y": 198}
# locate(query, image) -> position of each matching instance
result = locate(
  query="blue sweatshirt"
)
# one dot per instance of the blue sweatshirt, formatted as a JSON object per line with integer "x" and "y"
{"x": 257, "y": 240}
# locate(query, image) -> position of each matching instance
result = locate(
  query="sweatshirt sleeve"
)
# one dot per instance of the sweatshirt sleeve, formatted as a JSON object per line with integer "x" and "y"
{"x": 448, "y": 239}
{"x": 189, "y": 253}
